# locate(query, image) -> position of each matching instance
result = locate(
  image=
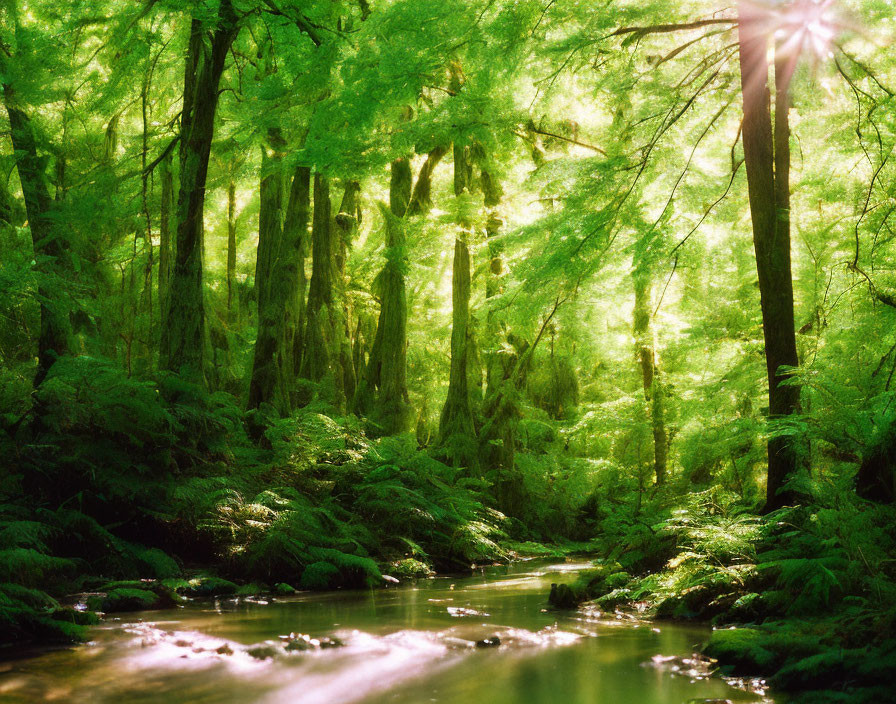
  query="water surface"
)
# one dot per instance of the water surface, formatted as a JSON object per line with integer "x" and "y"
{"x": 409, "y": 644}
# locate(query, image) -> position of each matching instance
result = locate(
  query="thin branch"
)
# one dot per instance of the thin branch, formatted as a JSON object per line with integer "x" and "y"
{"x": 667, "y": 28}
{"x": 568, "y": 139}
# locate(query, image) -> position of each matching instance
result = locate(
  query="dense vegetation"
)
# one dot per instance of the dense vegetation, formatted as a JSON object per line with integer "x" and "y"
{"x": 305, "y": 293}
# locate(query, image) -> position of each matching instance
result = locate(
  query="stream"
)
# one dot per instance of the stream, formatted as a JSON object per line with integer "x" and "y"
{"x": 411, "y": 643}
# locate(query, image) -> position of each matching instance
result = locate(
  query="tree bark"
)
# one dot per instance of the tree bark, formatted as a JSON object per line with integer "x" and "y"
{"x": 295, "y": 234}
{"x": 183, "y": 343}
{"x": 347, "y": 220}
{"x": 457, "y": 432}
{"x": 650, "y": 373}
{"x": 767, "y": 155}
{"x": 231, "y": 247}
{"x": 266, "y": 384}
{"x": 49, "y": 247}
{"x": 386, "y": 373}
{"x": 324, "y": 325}
{"x": 165, "y": 231}
{"x": 421, "y": 200}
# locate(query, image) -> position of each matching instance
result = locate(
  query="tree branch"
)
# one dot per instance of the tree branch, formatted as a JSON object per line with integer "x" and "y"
{"x": 667, "y": 28}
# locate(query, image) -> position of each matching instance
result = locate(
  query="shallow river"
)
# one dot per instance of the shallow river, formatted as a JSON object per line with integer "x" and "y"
{"x": 408, "y": 644}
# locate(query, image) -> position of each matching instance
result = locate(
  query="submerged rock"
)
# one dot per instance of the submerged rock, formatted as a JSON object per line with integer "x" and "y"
{"x": 264, "y": 652}
{"x": 460, "y": 611}
{"x": 489, "y": 642}
{"x": 300, "y": 642}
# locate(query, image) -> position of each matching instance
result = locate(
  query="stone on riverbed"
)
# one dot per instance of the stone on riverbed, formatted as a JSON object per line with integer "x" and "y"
{"x": 490, "y": 642}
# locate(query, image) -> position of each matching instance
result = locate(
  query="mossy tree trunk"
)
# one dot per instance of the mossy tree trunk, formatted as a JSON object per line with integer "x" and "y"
{"x": 498, "y": 437}
{"x": 183, "y": 331}
{"x": 49, "y": 246}
{"x": 231, "y": 249}
{"x": 346, "y": 227}
{"x": 266, "y": 384}
{"x": 457, "y": 431}
{"x": 650, "y": 372}
{"x": 386, "y": 373}
{"x": 767, "y": 156}
{"x": 421, "y": 198}
{"x": 324, "y": 320}
{"x": 167, "y": 198}
{"x": 292, "y": 266}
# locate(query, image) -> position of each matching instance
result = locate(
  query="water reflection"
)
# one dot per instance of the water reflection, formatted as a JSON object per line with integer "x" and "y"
{"x": 483, "y": 638}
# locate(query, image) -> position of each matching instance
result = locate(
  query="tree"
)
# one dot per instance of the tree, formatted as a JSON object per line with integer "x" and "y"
{"x": 767, "y": 155}
{"x": 183, "y": 330}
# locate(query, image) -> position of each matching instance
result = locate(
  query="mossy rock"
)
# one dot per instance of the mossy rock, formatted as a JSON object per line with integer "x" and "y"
{"x": 563, "y": 596}
{"x": 209, "y": 587}
{"x": 252, "y": 589}
{"x": 264, "y": 652}
{"x": 283, "y": 589}
{"x": 79, "y": 618}
{"x": 410, "y": 568}
{"x": 126, "y": 584}
{"x": 167, "y": 596}
{"x": 591, "y": 584}
{"x": 124, "y": 599}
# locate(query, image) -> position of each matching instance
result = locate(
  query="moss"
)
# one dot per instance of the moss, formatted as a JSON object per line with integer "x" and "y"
{"x": 741, "y": 651}
{"x": 264, "y": 652}
{"x": 410, "y": 569}
{"x": 591, "y": 584}
{"x": 167, "y": 597}
{"x": 209, "y": 586}
{"x": 124, "y": 599}
{"x": 251, "y": 589}
{"x": 283, "y": 589}
{"x": 76, "y": 617}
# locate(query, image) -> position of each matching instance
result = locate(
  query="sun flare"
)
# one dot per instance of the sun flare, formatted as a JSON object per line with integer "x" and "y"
{"x": 807, "y": 27}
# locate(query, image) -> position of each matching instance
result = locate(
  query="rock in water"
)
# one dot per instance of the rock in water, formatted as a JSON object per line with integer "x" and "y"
{"x": 490, "y": 642}
{"x": 562, "y": 597}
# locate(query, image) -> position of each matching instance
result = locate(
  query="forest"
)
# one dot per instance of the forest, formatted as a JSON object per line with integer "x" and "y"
{"x": 577, "y": 317}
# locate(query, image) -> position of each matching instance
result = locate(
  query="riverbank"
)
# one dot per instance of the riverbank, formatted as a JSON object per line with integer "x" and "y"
{"x": 802, "y": 598}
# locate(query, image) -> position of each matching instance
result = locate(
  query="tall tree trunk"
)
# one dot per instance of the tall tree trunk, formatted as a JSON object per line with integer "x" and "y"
{"x": 324, "y": 324}
{"x": 767, "y": 155}
{"x": 295, "y": 234}
{"x": 498, "y": 436}
{"x": 55, "y": 328}
{"x": 347, "y": 220}
{"x": 650, "y": 373}
{"x": 266, "y": 384}
{"x": 457, "y": 432}
{"x": 165, "y": 232}
{"x": 231, "y": 248}
{"x": 183, "y": 334}
{"x": 386, "y": 374}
